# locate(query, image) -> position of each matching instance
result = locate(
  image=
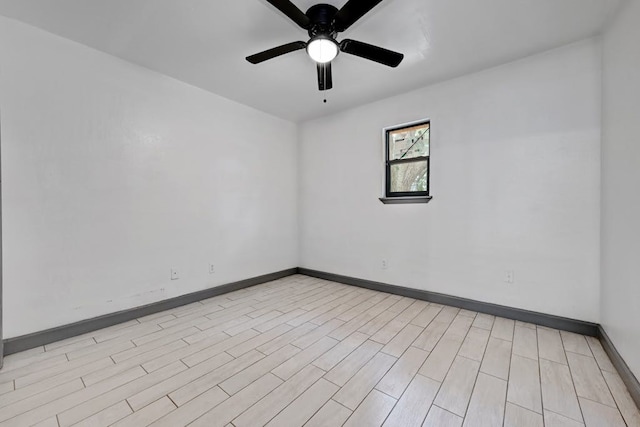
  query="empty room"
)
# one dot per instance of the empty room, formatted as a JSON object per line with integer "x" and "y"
{"x": 290, "y": 213}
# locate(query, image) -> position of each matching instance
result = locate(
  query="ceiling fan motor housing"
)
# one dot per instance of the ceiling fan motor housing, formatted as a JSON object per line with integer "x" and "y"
{"x": 322, "y": 20}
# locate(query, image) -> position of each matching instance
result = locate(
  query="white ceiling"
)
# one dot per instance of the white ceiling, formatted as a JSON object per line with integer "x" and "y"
{"x": 204, "y": 42}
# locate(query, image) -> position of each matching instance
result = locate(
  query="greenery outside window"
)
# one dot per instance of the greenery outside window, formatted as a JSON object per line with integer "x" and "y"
{"x": 407, "y": 161}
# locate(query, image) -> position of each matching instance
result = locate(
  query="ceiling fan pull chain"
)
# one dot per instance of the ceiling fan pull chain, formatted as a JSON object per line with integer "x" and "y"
{"x": 325, "y": 79}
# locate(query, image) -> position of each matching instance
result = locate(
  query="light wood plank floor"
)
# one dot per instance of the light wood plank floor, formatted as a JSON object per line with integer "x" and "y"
{"x": 303, "y": 351}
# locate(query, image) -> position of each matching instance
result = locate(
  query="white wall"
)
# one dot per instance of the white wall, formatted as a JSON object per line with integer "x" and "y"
{"x": 113, "y": 174}
{"x": 621, "y": 185}
{"x": 515, "y": 180}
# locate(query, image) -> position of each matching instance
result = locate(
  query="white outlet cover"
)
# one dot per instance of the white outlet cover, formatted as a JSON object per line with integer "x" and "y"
{"x": 174, "y": 274}
{"x": 509, "y": 276}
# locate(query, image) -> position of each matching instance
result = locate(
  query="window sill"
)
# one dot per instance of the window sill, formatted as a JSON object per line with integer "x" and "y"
{"x": 405, "y": 200}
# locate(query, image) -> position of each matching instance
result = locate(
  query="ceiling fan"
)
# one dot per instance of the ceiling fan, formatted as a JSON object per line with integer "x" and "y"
{"x": 323, "y": 23}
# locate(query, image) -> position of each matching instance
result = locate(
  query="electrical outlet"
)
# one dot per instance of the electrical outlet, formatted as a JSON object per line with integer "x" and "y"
{"x": 212, "y": 268}
{"x": 174, "y": 274}
{"x": 385, "y": 264}
{"x": 509, "y": 276}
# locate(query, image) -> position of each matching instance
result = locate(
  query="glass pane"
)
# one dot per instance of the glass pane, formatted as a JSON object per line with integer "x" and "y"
{"x": 408, "y": 143}
{"x": 409, "y": 177}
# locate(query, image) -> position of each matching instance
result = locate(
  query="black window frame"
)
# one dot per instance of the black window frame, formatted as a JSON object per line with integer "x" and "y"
{"x": 389, "y": 163}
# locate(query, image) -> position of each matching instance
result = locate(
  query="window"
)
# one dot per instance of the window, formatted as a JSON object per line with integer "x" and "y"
{"x": 407, "y": 163}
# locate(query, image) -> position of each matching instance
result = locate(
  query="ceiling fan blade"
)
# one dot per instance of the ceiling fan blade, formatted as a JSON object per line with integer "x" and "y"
{"x": 292, "y": 12}
{"x": 325, "y": 78}
{"x": 352, "y": 11}
{"x": 371, "y": 52}
{"x": 275, "y": 52}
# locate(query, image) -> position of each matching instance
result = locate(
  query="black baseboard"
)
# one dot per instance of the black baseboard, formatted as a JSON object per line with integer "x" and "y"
{"x": 555, "y": 322}
{"x": 550, "y": 321}
{"x": 629, "y": 379}
{"x": 36, "y": 339}
{"x": 26, "y": 342}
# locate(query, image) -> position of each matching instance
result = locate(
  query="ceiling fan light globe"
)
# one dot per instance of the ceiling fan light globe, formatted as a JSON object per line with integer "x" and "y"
{"x": 322, "y": 50}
